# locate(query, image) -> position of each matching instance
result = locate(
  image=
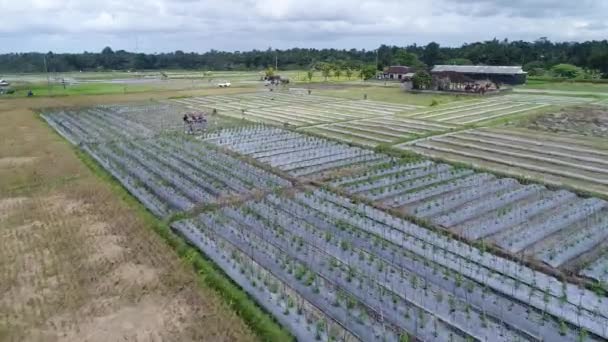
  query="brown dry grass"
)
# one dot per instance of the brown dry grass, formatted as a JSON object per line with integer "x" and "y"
{"x": 77, "y": 263}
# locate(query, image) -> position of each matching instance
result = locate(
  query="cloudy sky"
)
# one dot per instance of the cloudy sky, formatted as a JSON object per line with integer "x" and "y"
{"x": 201, "y": 25}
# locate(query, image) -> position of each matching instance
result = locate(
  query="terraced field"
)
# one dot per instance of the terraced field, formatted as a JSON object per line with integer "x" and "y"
{"x": 580, "y": 162}
{"x": 553, "y": 226}
{"x": 298, "y": 154}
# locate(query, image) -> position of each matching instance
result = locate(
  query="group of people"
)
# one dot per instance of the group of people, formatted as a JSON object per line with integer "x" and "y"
{"x": 194, "y": 122}
{"x": 479, "y": 88}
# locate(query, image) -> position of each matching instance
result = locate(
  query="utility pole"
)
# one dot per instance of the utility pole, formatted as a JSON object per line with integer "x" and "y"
{"x": 376, "y": 59}
{"x": 276, "y": 62}
{"x": 48, "y": 80}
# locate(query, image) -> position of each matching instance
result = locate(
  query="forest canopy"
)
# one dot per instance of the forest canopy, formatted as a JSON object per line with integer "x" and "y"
{"x": 562, "y": 59}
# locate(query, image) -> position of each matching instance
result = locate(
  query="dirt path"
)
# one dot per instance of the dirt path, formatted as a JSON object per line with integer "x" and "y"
{"x": 77, "y": 263}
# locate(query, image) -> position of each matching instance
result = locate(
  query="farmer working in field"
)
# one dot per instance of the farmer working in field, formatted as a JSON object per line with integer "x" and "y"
{"x": 187, "y": 124}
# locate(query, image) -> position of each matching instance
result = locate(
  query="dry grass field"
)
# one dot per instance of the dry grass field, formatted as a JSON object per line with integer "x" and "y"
{"x": 80, "y": 263}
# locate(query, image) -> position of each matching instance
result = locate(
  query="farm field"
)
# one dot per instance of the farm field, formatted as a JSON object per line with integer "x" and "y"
{"x": 94, "y": 83}
{"x": 378, "y": 276}
{"x": 574, "y": 161}
{"x": 553, "y": 226}
{"x": 476, "y": 111}
{"x": 391, "y": 93}
{"x": 381, "y": 130}
{"x": 315, "y": 230}
{"x": 549, "y": 99}
{"x": 582, "y": 120}
{"x": 564, "y": 86}
{"x": 250, "y": 100}
{"x": 295, "y": 153}
{"x": 281, "y": 108}
{"x": 78, "y": 262}
{"x": 415, "y": 124}
{"x": 163, "y": 172}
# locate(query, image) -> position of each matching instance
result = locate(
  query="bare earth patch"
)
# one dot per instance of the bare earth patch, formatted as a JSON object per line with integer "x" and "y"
{"x": 10, "y": 162}
{"x": 132, "y": 274}
{"x": 8, "y": 205}
{"x": 591, "y": 121}
{"x": 143, "y": 321}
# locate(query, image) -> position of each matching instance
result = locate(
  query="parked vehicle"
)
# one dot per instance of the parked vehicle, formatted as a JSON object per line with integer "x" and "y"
{"x": 224, "y": 84}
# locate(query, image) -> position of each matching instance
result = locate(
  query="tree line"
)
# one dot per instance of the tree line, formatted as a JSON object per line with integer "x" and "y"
{"x": 588, "y": 58}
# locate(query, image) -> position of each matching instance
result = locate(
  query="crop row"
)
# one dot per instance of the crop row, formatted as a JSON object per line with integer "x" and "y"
{"x": 296, "y": 153}
{"x": 247, "y": 101}
{"x": 156, "y": 116}
{"x": 474, "y": 112}
{"x": 553, "y": 226}
{"x": 169, "y": 175}
{"x": 96, "y": 124}
{"x": 378, "y": 276}
{"x": 547, "y": 99}
{"x": 313, "y": 114}
{"x": 380, "y": 130}
{"x": 527, "y": 151}
{"x": 598, "y": 270}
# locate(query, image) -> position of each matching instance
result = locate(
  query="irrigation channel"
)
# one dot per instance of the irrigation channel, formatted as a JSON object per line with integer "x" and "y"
{"x": 330, "y": 266}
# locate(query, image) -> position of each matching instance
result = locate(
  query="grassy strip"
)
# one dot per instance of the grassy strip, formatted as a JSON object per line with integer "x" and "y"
{"x": 209, "y": 274}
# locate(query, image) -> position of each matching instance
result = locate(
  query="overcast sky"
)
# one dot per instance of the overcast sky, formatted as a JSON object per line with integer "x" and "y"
{"x": 191, "y": 25}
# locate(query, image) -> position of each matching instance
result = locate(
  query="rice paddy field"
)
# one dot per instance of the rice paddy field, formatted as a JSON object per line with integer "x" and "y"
{"x": 341, "y": 242}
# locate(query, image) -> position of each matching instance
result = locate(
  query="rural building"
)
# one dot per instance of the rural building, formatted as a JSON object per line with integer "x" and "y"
{"x": 498, "y": 74}
{"x": 397, "y": 72}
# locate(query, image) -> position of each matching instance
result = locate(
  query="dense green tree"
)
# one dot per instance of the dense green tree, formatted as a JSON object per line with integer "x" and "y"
{"x": 537, "y": 56}
{"x": 566, "y": 70}
{"x": 349, "y": 73}
{"x": 368, "y": 71}
{"x": 337, "y": 72}
{"x": 310, "y": 74}
{"x": 269, "y": 72}
{"x": 422, "y": 80}
{"x": 432, "y": 54}
{"x": 459, "y": 61}
{"x": 325, "y": 69}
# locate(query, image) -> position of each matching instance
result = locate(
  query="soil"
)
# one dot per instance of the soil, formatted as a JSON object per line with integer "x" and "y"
{"x": 591, "y": 121}
{"x": 8, "y": 162}
{"x": 77, "y": 262}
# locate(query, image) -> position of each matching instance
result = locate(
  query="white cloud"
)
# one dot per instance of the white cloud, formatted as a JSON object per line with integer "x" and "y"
{"x": 191, "y": 25}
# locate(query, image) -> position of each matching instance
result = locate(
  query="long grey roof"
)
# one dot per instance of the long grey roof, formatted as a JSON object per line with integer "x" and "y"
{"x": 480, "y": 69}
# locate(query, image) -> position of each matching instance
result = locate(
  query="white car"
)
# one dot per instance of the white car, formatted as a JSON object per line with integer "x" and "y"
{"x": 224, "y": 84}
{"x": 3, "y": 83}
